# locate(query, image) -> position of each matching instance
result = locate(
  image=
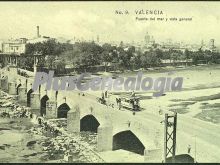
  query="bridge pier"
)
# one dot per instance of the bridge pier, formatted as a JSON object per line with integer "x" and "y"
{"x": 12, "y": 88}
{"x": 4, "y": 83}
{"x": 105, "y": 138}
{"x": 51, "y": 109}
{"x": 73, "y": 120}
{"x": 35, "y": 102}
{"x": 22, "y": 94}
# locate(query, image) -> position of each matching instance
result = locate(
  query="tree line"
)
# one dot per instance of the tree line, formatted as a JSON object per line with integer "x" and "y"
{"x": 87, "y": 54}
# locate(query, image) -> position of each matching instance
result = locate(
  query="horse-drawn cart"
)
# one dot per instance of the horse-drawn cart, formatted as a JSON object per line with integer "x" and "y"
{"x": 131, "y": 103}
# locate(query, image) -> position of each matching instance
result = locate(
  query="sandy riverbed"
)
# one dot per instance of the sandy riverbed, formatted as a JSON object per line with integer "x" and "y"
{"x": 13, "y": 141}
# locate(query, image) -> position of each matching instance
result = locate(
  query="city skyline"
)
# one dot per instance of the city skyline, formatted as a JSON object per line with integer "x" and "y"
{"x": 86, "y": 20}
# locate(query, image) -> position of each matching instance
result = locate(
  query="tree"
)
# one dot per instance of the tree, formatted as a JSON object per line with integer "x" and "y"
{"x": 49, "y": 62}
{"x": 197, "y": 56}
{"x": 174, "y": 57}
{"x": 107, "y": 54}
{"x": 137, "y": 63}
{"x": 208, "y": 56}
{"x": 49, "y": 47}
{"x": 26, "y": 62}
{"x": 86, "y": 54}
{"x": 59, "y": 65}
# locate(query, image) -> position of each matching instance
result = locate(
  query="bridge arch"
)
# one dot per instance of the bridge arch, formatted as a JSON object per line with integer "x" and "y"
{"x": 17, "y": 88}
{"x": 62, "y": 110}
{"x": 43, "y": 102}
{"x": 29, "y": 97}
{"x": 127, "y": 140}
{"x": 89, "y": 123}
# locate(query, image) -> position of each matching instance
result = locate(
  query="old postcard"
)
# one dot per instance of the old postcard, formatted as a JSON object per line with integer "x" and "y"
{"x": 117, "y": 81}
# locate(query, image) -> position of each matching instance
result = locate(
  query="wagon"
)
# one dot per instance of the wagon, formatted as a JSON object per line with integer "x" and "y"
{"x": 131, "y": 103}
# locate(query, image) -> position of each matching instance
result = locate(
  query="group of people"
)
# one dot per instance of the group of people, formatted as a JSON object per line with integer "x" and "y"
{"x": 83, "y": 94}
{"x": 118, "y": 102}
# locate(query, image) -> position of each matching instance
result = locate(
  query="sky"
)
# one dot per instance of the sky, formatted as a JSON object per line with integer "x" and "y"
{"x": 89, "y": 19}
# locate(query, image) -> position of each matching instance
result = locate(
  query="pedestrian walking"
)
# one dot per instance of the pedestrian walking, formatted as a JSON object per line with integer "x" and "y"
{"x": 132, "y": 94}
{"x": 119, "y": 102}
{"x": 106, "y": 94}
{"x": 103, "y": 97}
{"x": 189, "y": 148}
{"x": 129, "y": 123}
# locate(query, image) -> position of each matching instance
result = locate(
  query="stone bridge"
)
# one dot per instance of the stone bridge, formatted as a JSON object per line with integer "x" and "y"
{"x": 115, "y": 129}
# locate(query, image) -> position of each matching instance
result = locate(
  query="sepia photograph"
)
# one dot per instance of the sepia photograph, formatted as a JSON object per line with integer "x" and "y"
{"x": 109, "y": 82}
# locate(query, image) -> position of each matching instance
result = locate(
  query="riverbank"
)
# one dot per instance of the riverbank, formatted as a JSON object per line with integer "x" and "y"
{"x": 15, "y": 140}
{"x": 24, "y": 139}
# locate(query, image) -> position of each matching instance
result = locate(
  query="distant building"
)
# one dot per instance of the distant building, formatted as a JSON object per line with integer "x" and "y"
{"x": 148, "y": 41}
{"x": 147, "y": 38}
{"x": 38, "y": 32}
{"x": 14, "y": 46}
{"x": 11, "y": 50}
{"x": 39, "y": 38}
{"x": 170, "y": 62}
{"x": 210, "y": 46}
{"x": 170, "y": 45}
